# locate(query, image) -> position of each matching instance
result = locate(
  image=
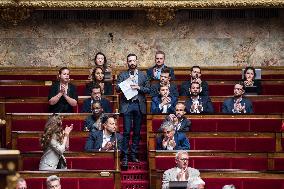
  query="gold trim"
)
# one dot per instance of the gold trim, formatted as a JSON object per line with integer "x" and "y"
{"x": 41, "y": 4}
{"x": 161, "y": 16}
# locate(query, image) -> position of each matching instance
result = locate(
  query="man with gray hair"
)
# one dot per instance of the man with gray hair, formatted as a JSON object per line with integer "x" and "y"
{"x": 182, "y": 172}
{"x": 21, "y": 184}
{"x": 172, "y": 140}
{"x": 53, "y": 182}
{"x": 231, "y": 186}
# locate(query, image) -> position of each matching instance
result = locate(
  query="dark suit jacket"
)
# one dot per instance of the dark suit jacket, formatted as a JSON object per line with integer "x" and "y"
{"x": 187, "y": 84}
{"x": 255, "y": 89}
{"x": 228, "y": 105}
{"x": 155, "y": 89}
{"x": 182, "y": 142}
{"x": 95, "y": 140}
{"x": 87, "y": 107}
{"x": 156, "y": 101}
{"x": 185, "y": 124}
{"x": 204, "y": 100}
{"x": 150, "y": 73}
{"x": 144, "y": 89}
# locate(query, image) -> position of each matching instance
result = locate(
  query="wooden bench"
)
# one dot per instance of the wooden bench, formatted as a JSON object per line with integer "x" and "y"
{"x": 211, "y": 160}
{"x": 74, "y": 179}
{"x": 97, "y": 160}
{"x": 229, "y": 141}
{"x": 40, "y": 104}
{"x": 262, "y": 104}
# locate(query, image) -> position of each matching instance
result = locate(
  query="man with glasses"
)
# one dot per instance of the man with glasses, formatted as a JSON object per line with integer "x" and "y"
{"x": 53, "y": 182}
{"x": 21, "y": 184}
{"x": 182, "y": 172}
{"x": 195, "y": 76}
{"x": 237, "y": 104}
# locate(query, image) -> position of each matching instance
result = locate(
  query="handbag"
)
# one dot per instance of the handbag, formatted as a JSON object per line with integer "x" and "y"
{"x": 62, "y": 163}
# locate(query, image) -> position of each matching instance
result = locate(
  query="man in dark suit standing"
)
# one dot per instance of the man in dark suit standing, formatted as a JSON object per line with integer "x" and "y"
{"x": 154, "y": 72}
{"x": 96, "y": 95}
{"x": 132, "y": 109}
{"x": 104, "y": 140}
{"x": 198, "y": 104}
{"x": 195, "y": 76}
{"x": 237, "y": 104}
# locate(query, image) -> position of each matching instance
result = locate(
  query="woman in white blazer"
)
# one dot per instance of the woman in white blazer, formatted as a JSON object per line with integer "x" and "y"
{"x": 54, "y": 142}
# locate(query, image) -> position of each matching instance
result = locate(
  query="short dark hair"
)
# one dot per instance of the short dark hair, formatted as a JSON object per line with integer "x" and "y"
{"x": 195, "y": 83}
{"x": 131, "y": 54}
{"x": 191, "y": 69}
{"x": 96, "y": 86}
{"x": 96, "y": 102}
{"x": 249, "y": 68}
{"x": 105, "y": 118}
{"x": 241, "y": 83}
{"x": 166, "y": 70}
{"x": 63, "y": 68}
{"x": 161, "y": 52}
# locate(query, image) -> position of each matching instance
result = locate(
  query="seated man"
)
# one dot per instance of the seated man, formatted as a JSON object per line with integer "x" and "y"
{"x": 180, "y": 122}
{"x": 172, "y": 140}
{"x": 93, "y": 122}
{"x": 182, "y": 172}
{"x": 154, "y": 73}
{"x": 164, "y": 103}
{"x": 196, "y": 103}
{"x": 53, "y": 182}
{"x": 106, "y": 139}
{"x": 237, "y": 104}
{"x": 96, "y": 95}
{"x": 195, "y": 76}
{"x": 21, "y": 184}
{"x": 164, "y": 80}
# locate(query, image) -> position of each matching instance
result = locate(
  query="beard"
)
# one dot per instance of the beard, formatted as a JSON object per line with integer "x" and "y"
{"x": 132, "y": 66}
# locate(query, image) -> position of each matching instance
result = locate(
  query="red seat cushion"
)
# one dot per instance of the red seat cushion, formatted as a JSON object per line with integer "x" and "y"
{"x": 255, "y": 144}
{"x": 231, "y": 125}
{"x": 208, "y": 143}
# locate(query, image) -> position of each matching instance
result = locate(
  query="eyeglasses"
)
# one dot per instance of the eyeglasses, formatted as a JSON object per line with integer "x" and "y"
{"x": 183, "y": 159}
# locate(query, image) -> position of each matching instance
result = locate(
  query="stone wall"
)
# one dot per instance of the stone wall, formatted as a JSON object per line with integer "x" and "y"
{"x": 194, "y": 37}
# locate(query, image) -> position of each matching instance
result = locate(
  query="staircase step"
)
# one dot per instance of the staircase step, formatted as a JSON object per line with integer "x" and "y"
{"x": 137, "y": 175}
{"x": 135, "y": 184}
{"x": 138, "y": 166}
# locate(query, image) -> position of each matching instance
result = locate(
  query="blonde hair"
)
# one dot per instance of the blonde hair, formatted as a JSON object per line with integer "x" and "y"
{"x": 52, "y": 127}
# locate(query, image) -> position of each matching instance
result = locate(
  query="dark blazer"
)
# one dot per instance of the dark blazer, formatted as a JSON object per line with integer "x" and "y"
{"x": 144, "y": 89}
{"x": 87, "y": 107}
{"x": 62, "y": 106}
{"x": 155, "y": 89}
{"x": 156, "y": 101}
{"x": 255, "y": 89}
{"x": 107, "y": 88}
{"x": 187, "y": 84}
{"x": 95, "y": 140}
{"x": 150, "y": 73}
{"x": 228, "y": 105}
{"x": 185, "y": 124}
{"x": 182, "y": 142}
{"x": 204, "y": 100}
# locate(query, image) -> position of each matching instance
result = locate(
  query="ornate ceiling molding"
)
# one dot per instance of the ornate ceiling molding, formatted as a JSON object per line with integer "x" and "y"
{"x": 15, "y": 15}
{"x": 139, "y": 4}
{"x": 160, "y": 16}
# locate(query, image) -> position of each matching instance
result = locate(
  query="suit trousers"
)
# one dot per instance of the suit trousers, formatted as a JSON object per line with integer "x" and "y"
{"x": 132, "y": 119}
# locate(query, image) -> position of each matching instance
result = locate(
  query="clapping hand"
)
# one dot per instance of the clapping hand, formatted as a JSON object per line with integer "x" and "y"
{"x": 68, "y": 129}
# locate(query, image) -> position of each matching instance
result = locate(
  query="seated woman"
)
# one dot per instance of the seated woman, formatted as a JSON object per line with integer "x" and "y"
{"x": 54, "y": 142}
{"x": 101, "y": 61}
{"x": 98, "y": 78}
{"x": 62, "y": 95}
{"x": 252, "y": 85}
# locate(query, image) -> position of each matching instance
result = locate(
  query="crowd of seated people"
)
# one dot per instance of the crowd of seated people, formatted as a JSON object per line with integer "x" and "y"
{"x": 164, "y": 92}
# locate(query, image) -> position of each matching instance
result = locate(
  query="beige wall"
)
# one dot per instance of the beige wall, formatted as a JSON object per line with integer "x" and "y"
{"x": 204, "y": 42}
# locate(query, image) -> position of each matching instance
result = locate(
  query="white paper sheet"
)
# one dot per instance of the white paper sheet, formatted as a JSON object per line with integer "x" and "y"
{"x": 125, "y": 87}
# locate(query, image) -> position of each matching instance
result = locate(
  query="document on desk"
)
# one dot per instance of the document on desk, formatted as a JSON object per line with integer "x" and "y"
{"x": 125, "y": 87}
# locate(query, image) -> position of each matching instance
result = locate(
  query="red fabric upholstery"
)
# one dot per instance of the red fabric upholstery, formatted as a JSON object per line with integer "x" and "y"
{"x": 156, "y": 123}
{"x": 31, "y": 163}
{"x": 262, "y": 107}
{"x": 200, "y": 125}
{"x": 38, "y": 124}
{"x": 218, "y": 183}
{"x": 265, "y": 125}
{"x": 255, "y": 144}
{"x": 252, "y": 164}
{"x": 230, "y": 125}
{"x": 95, "y": 183}
{"x": 69, "y": 183}
{"x": 81, "y": 90}
{"x": 272, "y": 89}
{"x": 211, "y": 162}
{"x": 28, "y": 144}
{"x": 26, "y": 107}
{"x": 279, "y": 164}
{"x": 208, "y": 143}
{"x": 92, "y": 163}
{"x": 36, "y": 183}
{"x": 77, "y": 144}
{"x": 255, "y": 183}
{"x": 221, "y": 90}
